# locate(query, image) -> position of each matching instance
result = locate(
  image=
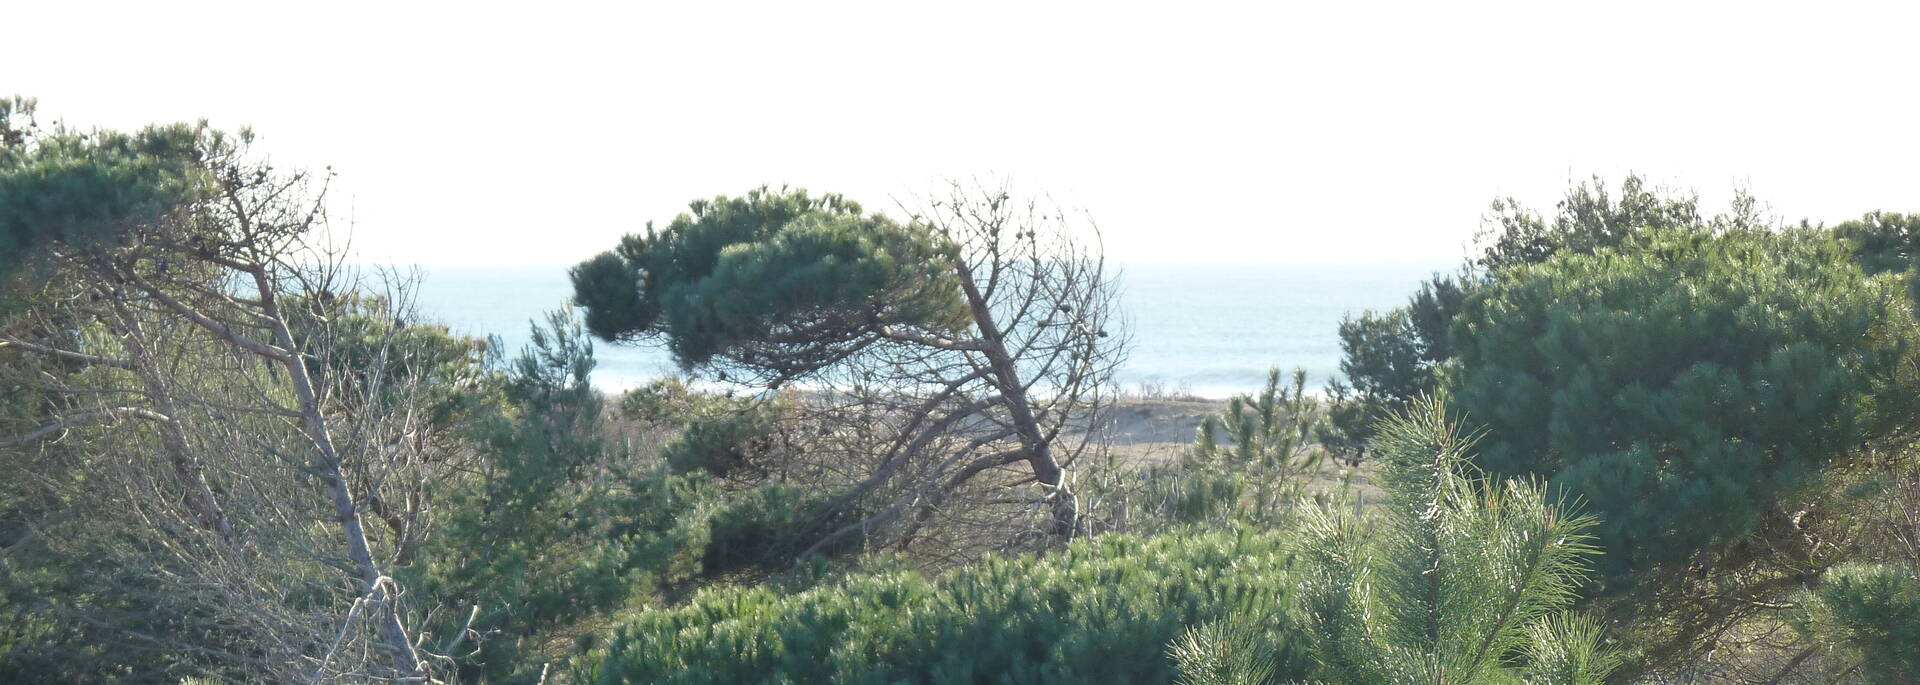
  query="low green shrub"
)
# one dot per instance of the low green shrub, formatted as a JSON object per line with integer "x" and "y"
{"x": 768, "y": 527}
{"x": 1873, "y": 611}
{"x": 725, "y": 444}
{"x": 1103, "y": 610}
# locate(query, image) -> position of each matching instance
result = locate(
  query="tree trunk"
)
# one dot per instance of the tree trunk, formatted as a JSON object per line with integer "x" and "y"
{"x": 393, "y": 633}
{"x": 1006, "y": 377}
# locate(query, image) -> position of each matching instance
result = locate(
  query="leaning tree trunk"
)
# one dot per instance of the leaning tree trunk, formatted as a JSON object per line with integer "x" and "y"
{"x": 1006, "y": 378}
{"x": 380, "y": 588}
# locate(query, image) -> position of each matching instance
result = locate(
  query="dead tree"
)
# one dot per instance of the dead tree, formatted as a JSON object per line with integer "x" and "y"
{"x": 214, "y": 304}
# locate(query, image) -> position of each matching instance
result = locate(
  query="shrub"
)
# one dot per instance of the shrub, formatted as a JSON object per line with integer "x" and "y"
{"x": 1686, "y": 386}
{"x": 729, "y": 444}
{"x": 1872, "y": 611}
{"x": 1695, "y": 391}
{"x": 1104, "y": 610}
{"x": 768, "y": 527}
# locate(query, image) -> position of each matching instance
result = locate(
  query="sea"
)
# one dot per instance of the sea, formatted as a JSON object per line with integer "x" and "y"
{"x": 1206, "y": 330}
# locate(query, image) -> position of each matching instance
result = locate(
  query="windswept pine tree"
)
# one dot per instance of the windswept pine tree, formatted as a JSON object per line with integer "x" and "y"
{"x": 971, "y": 337}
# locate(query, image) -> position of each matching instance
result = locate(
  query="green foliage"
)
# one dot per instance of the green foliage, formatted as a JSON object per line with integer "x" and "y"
{"x": 48, "y": 591}
{"x": 768, "y": 527}
{"x": 1230, "y": 652}
{"x": 67, "y": 187}
{"x": 733, "y": 441}
{"x": 374, "y": 361}
{"x": 669, "y": 401}
{"x": 1390, "y": 359}
{"x": 1382, "y": 359}
{"x": 1176, "y": 495}
{"x": 775, "y": 280}
{"x": 1590, "y": 219}
{"x": 1567, "y": 648}
{"x": 1684, "y": 387}
{"x": 740, "y": 440}
{"x": 1430, "y": 314}
{"x": 1883, "y": 241}
{"x": 17, "y": 122}
{"x": 1873, "y": 611}
{"x": 1270, "y": 447}
{"x": 1464, "y": 574}
{"x": 1104, "y": 610}
{"x": 565, "y": 528}
{"x": 1886, "y": 242}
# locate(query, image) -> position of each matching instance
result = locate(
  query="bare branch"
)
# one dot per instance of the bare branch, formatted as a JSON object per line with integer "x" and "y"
{"x": 204, "y": 321}
{"x": 67, "y": 354}
{"x": 63, "y": 423}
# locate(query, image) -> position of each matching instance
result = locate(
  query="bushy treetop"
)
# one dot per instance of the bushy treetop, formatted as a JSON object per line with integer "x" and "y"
{"x": 1684, "y": 385}
{"x": 771, "y": 275}
{"x": 65, "y": 186}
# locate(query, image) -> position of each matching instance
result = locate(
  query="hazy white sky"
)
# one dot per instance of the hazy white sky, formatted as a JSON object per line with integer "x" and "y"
{"x": 537, "y": 132}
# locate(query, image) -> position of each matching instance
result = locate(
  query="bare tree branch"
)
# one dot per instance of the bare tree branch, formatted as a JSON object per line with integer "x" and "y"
{"x": 61, "y": 424}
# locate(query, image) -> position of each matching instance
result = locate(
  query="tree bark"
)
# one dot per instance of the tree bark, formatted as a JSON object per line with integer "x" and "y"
{"x": 393, "y": 633}
{"x": 1006, "y": 377}
{"x": 376, "y": 586}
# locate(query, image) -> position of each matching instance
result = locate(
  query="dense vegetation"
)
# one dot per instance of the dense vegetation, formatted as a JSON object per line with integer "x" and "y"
{"x": 1627, "y": 442}
{"x": 1028, "y": 620}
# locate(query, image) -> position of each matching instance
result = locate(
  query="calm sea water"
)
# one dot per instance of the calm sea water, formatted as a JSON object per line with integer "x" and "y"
{"x": 1211, "y": 330}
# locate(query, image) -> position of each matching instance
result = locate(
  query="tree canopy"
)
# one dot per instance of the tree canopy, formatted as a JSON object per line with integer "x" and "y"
{"x": 1685, "y": 386}
{"x": 63, "y": 186}
{"x": 978, "y": 329}
{"x": 778, "y": 278}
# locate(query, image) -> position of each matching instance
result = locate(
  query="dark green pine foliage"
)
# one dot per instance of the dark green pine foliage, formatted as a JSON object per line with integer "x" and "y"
{"x": 66, "y": 187}
{"x": 1385, "y": 369}
{"x": 1685, "y": 387}
{"x": 51, "y": 602}
{"x": 564, "y": 529}
{"x": 779, "y": 281}
{"x": 733, "y": 442}
{"x": 763, "y": 531}
{"x": 1883, "y": 241}
{"x": 1390, "y": 359}
{"x": 1103, "y": 610}
{"x": 1886, "y": 242}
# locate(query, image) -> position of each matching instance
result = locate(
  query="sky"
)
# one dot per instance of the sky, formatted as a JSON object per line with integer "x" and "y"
{"x": 537, "y": 133}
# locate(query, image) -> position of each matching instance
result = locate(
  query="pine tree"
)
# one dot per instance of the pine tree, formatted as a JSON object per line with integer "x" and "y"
{"x": 977, "y": 329}
{"x": 1692, "y": 390}
{"x": 1464, "y": 582}
{"x": 1871, "y": 611}
{"x": 563, "y": 528}
{"x": 1270, "y": 445}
